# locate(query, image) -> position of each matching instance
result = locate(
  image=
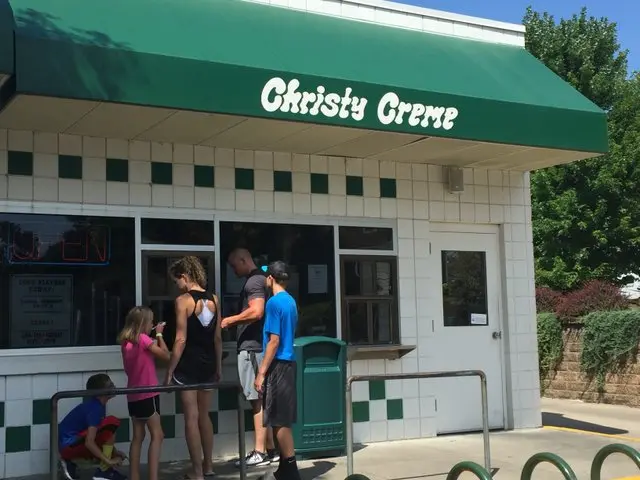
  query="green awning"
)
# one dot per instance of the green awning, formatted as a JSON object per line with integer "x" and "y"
{"x": 242, "y": 58}
{"x": 6, "y": 39}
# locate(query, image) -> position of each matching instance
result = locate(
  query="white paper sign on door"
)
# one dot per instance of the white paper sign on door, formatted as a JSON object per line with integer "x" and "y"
{"x": 479, "y": 319}
{"x": 317, "y": 278}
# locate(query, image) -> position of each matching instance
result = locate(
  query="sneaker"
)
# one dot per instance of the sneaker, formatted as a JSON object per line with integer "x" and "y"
{"x": 111, "y": 474}
{"x": 274, "y": 455}
{"x": 69, "y": 470}
{"x": 255, "y": 459}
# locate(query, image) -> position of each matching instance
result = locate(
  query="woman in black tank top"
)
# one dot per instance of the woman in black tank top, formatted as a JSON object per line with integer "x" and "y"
{"x": 196, "y": 358}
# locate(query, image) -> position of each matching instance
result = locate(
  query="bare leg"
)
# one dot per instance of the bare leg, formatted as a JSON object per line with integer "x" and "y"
{"x": 192, "y": 431}
{"x": 270, "y": 444}
{"x": 206, "y": 429}
{"x": 155, "y": 447}
{"x": 288, "y": 468}
{"x": 135, "y": 448}
{"x": 260, "y": 430}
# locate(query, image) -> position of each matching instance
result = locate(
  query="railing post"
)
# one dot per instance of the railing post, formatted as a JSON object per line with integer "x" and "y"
{"x": 349, "y": 427}
{"x": 604, "y": 452}
{"x": 53, "y": 439}
{"x": 472, "y": 467}
{"x": 485, "y": 420}
{"x": 551, "y": 458}
{"x": 241, "y": 437}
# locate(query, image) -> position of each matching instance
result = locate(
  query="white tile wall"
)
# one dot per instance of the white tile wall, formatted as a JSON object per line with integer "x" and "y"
{"x": 490, "y": 197}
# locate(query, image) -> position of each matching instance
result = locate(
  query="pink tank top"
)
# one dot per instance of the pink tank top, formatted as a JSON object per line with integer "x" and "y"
{"x": 139, "y": 366}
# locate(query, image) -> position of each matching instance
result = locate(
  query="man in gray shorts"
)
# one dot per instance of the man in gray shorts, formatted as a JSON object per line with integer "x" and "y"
{"x": 249, "y": 323}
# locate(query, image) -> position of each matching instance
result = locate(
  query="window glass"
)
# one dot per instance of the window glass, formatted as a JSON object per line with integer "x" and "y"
{"x": 464, "y": 289}
{"x": 308, "y": 249}
{"x": 177, "y": 232}
{"x": 367, "y": 277}
{"x": 64, "y": 280}
{"x": 365, "y": 238}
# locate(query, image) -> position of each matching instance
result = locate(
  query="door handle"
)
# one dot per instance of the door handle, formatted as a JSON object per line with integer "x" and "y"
{"x": 496, "y": 335}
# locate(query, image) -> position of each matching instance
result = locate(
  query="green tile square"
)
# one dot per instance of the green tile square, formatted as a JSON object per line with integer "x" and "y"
{"x": 20, "y": 163}
{"x": 168, "y": 423}
{"x": 248, "y": 421}
{"x": 117, "y": 170}
{"x": 377, "y": 390}
{"x": 388, "y": 188}
{"x": 70, "y": 166}
{"x": 123, "y": 433}
{"x": 1, "y": 414}
{"x": 227, "y": 399}
{"x": 245, "y": 179}
{"x": 178, "y": 403}
{"x": 360, "y": 411}
{"x": 17, "y": 439}
{"x": 161, "y": 173}
{"x": 282, "y": 182}
{"x": 319, "y": 183}
{"x": 354, "y": 186}
{"x": 41, "y": 411}
{"x": 214, "y": 420}
{"x": 203, "y": 176}
{"x": 394, "y": 409}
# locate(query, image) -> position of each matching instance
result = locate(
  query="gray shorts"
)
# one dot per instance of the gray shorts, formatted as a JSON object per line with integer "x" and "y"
{"x": 248, "y": 364}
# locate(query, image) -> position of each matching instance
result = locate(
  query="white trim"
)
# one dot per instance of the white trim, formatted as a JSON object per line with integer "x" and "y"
{"x": 176, "y": 248}
{"x": 368, "y": 253}
{"x": 463, "y": 228}
{"x": 337, "y": 283}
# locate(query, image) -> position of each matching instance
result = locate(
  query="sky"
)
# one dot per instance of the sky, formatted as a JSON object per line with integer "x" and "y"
{"x": 624, "y": 12}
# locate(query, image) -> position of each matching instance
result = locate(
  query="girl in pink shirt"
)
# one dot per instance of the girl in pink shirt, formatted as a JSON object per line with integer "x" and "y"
{"x": 138, "y": 352}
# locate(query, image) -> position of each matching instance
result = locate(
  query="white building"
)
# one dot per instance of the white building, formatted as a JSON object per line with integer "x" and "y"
{"x": 329, "y": 133}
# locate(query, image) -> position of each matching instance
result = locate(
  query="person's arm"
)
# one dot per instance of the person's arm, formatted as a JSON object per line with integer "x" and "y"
{"x": 93, "y": 420}
{"x": 182, "y": 304}
{"x": 158, "y": 348}
{"x": 255, "y": 290}
{"x": 272, "y": 327}
{"x": 217, "y": 342}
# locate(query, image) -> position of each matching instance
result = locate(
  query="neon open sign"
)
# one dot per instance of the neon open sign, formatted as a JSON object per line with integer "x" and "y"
{"x": 41, "y": 244}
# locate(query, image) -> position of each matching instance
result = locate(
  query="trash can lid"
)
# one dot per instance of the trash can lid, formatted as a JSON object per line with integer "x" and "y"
{"x": 304, "y": 341}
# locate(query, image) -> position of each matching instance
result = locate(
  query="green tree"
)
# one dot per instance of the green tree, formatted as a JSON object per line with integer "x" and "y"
{"x": 586, "y": 215}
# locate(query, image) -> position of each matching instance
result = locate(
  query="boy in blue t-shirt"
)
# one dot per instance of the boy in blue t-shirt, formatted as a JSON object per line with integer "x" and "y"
{"x": 276, "y": 379}
{"x": 87, "y": 433}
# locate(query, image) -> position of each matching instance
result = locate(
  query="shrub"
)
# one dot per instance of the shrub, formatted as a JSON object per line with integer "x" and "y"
{"x": 609, "y": 341}
{"x": 550, "y": 344}
{"x": 595, "y": 296}
{"x": 547, "y": 299}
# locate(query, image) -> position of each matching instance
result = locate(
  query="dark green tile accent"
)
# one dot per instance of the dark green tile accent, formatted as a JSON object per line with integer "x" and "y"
{"x": 117, "y": 170}
{"x": 20, "y": 163}
{"x": 354, "y": 186}
{"x": 360, "y": 411}
{"x": 377, "y": 390}
{"x": 123, "y": 433}
{"x": 17, "y": 439}
{"x": 214, "y": 420}
{"x": 70, "y": 166}
{"x": 244, "y": 179}
{"x": 178, "y": 403}
{"x": 388, "y": 188}
{"x": 394, "y": 409}
{"x": 203, "y": 176}
{"x": 168, "y": 423}
{"x": 319, "y": 183}
{"x": 248, "y": 421}
{"x": 161, "y": 173}
{"x": 1, "y": 414}
{"x": 227, "y": 399}
{"x": 282, "y": 182}
{"x": 41, "y": 412}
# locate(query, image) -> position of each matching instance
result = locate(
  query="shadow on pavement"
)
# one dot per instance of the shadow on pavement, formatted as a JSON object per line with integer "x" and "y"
{"x": 558, "y": 420}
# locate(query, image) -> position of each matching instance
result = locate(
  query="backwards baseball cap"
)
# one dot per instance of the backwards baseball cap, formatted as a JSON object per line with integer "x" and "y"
{"x": 278, "y": 270}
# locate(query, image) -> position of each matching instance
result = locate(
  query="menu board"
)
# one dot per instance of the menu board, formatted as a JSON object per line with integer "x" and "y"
{"x": 41, "y": 310}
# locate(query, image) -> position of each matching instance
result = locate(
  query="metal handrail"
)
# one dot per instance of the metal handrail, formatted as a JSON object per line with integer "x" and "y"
{"x": 604, "y": 452}
{"x": 459, "y": 468}
{"x": 53, "y": 426}
{"x": 410, "y": 376}
{"x": 553, "y": 459}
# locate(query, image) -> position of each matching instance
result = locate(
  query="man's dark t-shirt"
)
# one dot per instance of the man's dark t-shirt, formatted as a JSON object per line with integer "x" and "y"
{"x": 249, "y": 335}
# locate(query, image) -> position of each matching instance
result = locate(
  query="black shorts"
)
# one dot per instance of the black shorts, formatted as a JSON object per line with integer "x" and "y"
{"x": 279, "y": 396}
{"x": 145, "y": 408}
{"x": 204, "y": 374}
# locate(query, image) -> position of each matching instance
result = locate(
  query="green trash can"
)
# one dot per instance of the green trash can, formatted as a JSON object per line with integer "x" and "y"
{"x": 321, "y": 378}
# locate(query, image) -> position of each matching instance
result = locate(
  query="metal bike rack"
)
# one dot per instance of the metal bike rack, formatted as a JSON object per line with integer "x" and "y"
{"x": 472, "y": 467}
{"x": 53, "y": 426}
{"x": 410, "y": 376}
{"x": 553, "y": 459}
{"x": 604, "y": 452}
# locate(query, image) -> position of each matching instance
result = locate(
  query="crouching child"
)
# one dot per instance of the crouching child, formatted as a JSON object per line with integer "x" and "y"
{"x": 88, "y": 434}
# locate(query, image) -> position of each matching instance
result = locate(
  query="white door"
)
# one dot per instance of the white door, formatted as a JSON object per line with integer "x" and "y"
{"x": 468, "y": 328}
